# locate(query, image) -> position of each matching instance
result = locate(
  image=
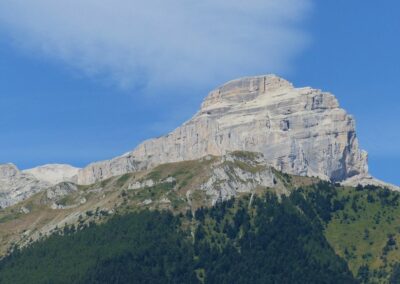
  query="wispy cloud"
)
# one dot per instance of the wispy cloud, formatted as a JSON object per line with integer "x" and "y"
{"x": 156, "y": 44}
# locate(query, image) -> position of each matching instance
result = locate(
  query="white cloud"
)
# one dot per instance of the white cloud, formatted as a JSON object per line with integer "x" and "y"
{"x": 157, "y": 44}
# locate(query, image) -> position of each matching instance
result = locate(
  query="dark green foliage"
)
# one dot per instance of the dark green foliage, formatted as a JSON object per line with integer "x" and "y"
{"x": 145, "y": 247}
{"x": 323, "y": 200}
{"x": 363, "y": 273}
{"x": 274, "y": 243}
{"x": 395, "y": 277}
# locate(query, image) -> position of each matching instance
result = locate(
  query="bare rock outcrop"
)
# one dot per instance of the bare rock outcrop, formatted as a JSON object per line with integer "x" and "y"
{"x": 300, "y": 131}
{"x": 365, "y": 180}
{"x": 61, "y": 190}
{"x": 16, "y": 186}
{"x": 234, "y": 174}
{"x": 55, "y": 173}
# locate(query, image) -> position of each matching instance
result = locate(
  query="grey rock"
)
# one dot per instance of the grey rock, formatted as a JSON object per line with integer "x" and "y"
{"x": 143, "y": 184}
{"x": 368, "y": 180}
{"x": 61, "y": 190}
{"x": 229, "y": 178}
{"x": 147, "y": 202}
{"x": 16, "y": 186}
{"x": 300, "y": 131}
{"x": 54, "y": 173}
{"x": 24, "y": 210}
{"x": 150, "y": 183}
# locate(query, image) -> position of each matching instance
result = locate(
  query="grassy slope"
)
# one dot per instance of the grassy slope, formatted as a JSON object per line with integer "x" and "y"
{"x": 360, "y": 232}
{"x": 17, "y": 227}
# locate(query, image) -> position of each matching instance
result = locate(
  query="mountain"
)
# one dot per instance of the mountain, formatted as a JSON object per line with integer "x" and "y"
{"x": 299, "y": 131}
{"x": 265, "y": 184}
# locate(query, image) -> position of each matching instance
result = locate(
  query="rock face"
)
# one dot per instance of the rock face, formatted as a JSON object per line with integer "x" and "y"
{"x": 365, "y": 180}
{"x": 106, "y": 169}
{"x": 300, "y": 131}
{"x": 61, "y": 190}
{"x": 16, "y": 186}
{"x": 54, "y": 173}
{"x": 235, "y": 174}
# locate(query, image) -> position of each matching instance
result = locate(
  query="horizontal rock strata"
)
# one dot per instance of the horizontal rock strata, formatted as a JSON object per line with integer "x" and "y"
{"x": 300, "y": 131}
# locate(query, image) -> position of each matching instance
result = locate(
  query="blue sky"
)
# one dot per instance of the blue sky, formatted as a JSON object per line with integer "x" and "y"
{"x": 82, "y": 81}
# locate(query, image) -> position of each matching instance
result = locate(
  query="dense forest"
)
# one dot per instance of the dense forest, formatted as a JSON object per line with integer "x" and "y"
{"x": 251, "y": 239}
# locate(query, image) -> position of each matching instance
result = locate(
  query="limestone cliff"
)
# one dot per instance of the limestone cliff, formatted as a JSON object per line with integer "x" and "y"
{"x": 16, "y": 186}
{"x": 300, "y": 131}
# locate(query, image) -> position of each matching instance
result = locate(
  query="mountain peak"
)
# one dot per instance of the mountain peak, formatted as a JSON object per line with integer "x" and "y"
{"x": 246, "y": 89}
{"x": 54, "y": 173}
{"x": 300, "y": 131}
{"x": 260, "y": 84}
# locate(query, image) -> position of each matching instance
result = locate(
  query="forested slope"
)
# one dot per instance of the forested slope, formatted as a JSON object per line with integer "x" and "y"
{"x": 245, "y": 240}
{"x": 318, "y": 234}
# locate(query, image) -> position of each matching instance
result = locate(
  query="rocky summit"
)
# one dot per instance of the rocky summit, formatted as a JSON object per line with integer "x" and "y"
{"x": 54, "y": 173}
{"x": 300, "y": 131}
